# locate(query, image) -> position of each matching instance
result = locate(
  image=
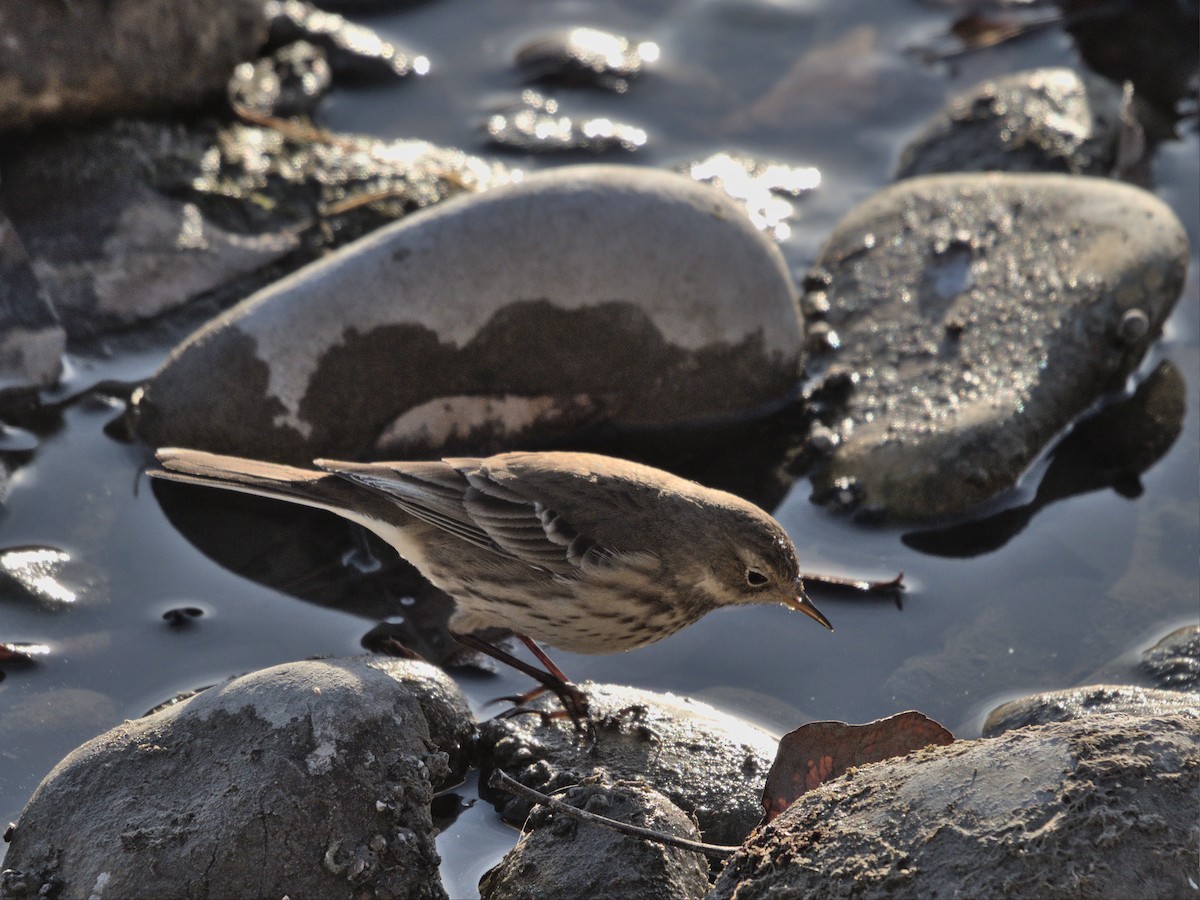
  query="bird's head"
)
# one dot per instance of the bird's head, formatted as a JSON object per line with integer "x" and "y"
{"x": 754, "y": 561}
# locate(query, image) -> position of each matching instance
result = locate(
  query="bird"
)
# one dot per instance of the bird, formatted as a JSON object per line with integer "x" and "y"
{"x": 584, "y": 552}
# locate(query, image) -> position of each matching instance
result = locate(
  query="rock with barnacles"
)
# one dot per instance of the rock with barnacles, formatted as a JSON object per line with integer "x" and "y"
{"x": 1103, "y": 806}
{"x": 1089, "y": 700}
{"x": 710, "y": 764}
{"x": 971, "y": 319}
{"x": 1044, "y": 120}
{"x": 583, "y": 298}
{"x": 306, "y": 779}
{"x": 559, "y": 856}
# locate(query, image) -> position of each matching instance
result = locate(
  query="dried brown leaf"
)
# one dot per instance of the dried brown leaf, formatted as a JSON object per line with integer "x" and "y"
{"x": 819, "y": 751}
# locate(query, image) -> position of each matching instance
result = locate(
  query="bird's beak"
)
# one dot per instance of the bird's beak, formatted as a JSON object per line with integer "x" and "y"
{"x": 801, "y": 603}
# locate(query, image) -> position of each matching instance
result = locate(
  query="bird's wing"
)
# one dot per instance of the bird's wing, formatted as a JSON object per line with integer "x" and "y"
{"x": 460, "y": 497}
{"x": 429, "y": 491}
{"x": 533, "y": 530}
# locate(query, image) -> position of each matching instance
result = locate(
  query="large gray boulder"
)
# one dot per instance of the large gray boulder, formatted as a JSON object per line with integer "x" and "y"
{"x": 307, "y": 779}
{"x": 583, "y": 296}
{"x": 1103, "y": 806}
{"x": 976, "y": 316}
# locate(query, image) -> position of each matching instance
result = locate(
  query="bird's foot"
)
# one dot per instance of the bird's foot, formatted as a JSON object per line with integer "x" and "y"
{"x": 574, "y": 705}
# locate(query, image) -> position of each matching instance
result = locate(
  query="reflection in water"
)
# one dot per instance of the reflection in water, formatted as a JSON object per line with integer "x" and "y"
{"x": 1111, "y": 449}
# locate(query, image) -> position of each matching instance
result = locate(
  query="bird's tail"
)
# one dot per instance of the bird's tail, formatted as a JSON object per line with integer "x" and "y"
{"x": 267, "y": 479}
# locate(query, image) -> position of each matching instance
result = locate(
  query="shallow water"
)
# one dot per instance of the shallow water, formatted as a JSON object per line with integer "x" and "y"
{"x": 826, "y": 84}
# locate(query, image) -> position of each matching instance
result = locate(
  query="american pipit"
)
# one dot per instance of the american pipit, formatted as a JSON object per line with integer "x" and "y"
{"x": 584, "y": 552}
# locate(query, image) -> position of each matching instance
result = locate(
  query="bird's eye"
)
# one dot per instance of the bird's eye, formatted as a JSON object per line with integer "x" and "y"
{"x": 755, "y": 578}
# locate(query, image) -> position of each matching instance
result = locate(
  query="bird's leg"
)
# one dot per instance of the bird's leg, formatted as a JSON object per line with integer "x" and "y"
{"x": 542, "y": 657}
{"x": 574, "y": 701}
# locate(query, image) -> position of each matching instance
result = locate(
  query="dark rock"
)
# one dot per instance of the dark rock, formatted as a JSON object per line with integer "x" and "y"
{"x": 558, "y": 856}
{"x": 353, "y": 50}
{"x": 581, "y": 296}
{"x": 1093, "y": 699}
{"x": 585, "y": 57}
{"x": 1109, "y": 449}
{"x": 535, "y": 124}
{"x": 109, "y": 246}
{"x": 1149, "y": 43}
{"x": 139, "y": 219}
{"x": 1103, "y": 806}
{"x": 711, "y": 765}
{"x": 1174, "y": 662}
{"x": 289, "y": 82}
{"x": 309, "y": 779}
{"x": 977, "y": 315}
{"x": 64, "y": 62}
{"x": 32, "y": 341}
{"x": 1044, "y": 120}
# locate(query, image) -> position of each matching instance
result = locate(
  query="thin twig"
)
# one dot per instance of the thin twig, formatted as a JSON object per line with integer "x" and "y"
{"x": 505, "y": 782}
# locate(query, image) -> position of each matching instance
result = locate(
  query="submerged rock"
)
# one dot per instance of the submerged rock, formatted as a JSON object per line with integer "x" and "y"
{"x": 1103, "y": 806}
{"x": 710, "y": 764}
{"x": 558, "y": 856}
{"x": 976, "y": 316}
{"x": 585, "y": 56}
{"x": 1044, "y": 120}
{"x": 581, "y": 296}
{"x": 536, "y": 124}
{"x": 1174, "y": 662}
{"x": 32, "y": 341}
{"x": 1093, "y": 699}
{"x": 86, "y": 59}
{"x": 309, "y": 779}
{"x": 289, "y": 82}
{"x": 352, "y": 50}
{"x": 138, "y": 219}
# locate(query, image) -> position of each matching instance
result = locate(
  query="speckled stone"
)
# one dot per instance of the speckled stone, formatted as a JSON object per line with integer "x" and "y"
{"x": 976, "y": 316}
{"x": 1043, "y": 120}
{"x": 1103, "y": 806}
{"x": 558, "y": 856}
{"x": 1090, "y": 700}
{"x": 306, "y": 779}
{"x": 710, "y": 764}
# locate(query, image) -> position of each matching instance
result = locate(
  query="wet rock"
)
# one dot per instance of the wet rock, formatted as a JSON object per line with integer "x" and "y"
{"x": 558, "y": 856}
{"x": 108, "y": 246}
{"x": 765, "y": 189}
{"x": 1044, "y": 120}
{"x": 1174, "y": 662}
{"x": 289, "y": 82}
{"x": 44, "y": 576}
{"x": 1109, "y": 449}
{"x": 585, "y": 57}
{"x": 976, "y": 316}
{"x": 1094, "y": 699}
{"x": 709, "y": 764}
{"x": 353, "y": 50}
{"x": 32, "y": 341}
{"x": 138, "y": 219}
{"x": 310, "y": 778}
{"x": 582, "y": 296}
{"x": 535, "y": 124}
{"x": 1098, "y": 807}
{"x": 64, "y": 62}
